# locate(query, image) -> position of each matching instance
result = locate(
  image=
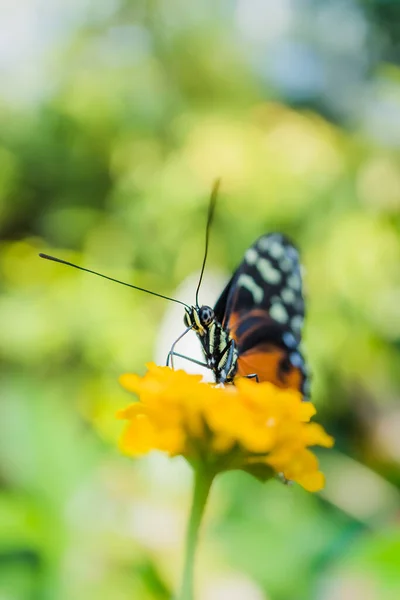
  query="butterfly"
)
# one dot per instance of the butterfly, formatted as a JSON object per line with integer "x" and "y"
{"x": 254, "y": 330}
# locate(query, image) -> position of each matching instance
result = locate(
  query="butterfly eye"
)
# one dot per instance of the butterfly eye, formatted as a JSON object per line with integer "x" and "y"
{"x": 206, "y": 315}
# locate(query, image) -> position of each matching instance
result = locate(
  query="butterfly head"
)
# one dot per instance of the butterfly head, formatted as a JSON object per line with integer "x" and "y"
{"x": 199, "y": 318}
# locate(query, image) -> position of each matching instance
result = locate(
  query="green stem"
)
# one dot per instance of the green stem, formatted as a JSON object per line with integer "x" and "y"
{"x": 202, "y": 485}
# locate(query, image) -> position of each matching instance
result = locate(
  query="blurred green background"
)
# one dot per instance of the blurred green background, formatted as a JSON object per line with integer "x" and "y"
{"x": 115, "y": 118}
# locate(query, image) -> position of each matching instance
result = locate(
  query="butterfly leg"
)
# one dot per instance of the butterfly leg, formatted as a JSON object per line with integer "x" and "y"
{"x": 172, "y": 351}
{"x": 193, "y": 360}
{"x": 284, "y": 480}
{"x": 253, "y": 376}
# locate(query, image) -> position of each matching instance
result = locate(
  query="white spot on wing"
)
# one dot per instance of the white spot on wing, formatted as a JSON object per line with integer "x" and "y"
{"x": 294, "y": 281}
{"x": 297, "y": 323}
{"x": 251, "y": 256}
{"x": 296, "y": 359}
{"x": 292, "y": 253}
{"x": 289, "y": 340}
{"x": 267, "y": 271}
{"x": 288, "y": 295}
{"x": 250, "y": 285}
{"x": 278, "y": 312}
{"x": 286, "y": 264}
{"x": 276, "y": 249}
{"x": 275, "y": 237}
{"x": 263, "y": 244}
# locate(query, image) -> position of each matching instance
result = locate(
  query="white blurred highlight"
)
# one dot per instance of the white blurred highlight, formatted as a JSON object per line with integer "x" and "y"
{"x": 349, "y": 587}
{"x": 231, "y": 587}
{"x": 261, "y": 20}
{"x": 387, "y": 434}
{"x": 155, "y": 526}
{"x": 359, "y": 491}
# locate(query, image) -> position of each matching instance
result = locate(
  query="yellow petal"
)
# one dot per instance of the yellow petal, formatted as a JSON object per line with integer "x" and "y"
{"x": 312, "y": 482}
{"x": 139, "y": 437}
{"x": 315, "y": 435}
{"x": 131, "y": 411}
{"x": 306, "y": 410}
{"x": 130, "y": 382}
{"x": 171, "y": 441}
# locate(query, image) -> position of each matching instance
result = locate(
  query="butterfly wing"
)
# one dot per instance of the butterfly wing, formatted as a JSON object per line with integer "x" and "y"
{"x": 262, "y": 307}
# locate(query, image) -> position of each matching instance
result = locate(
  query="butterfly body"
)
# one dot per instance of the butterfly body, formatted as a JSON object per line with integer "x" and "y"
{"x": 255, "y": 327}
{"x": 219, "y": 348}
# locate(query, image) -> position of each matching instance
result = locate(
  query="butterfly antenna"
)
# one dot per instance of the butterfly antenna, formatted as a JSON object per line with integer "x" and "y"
{"x": 211, "y": 207}
{"x": 135, "y": 287}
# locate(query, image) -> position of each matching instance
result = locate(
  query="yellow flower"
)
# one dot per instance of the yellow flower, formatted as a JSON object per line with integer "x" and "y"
{"x": 256, "y": 427}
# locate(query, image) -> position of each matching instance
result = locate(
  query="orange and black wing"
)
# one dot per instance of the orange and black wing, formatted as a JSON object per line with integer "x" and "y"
{"x": 262, "y": 307}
